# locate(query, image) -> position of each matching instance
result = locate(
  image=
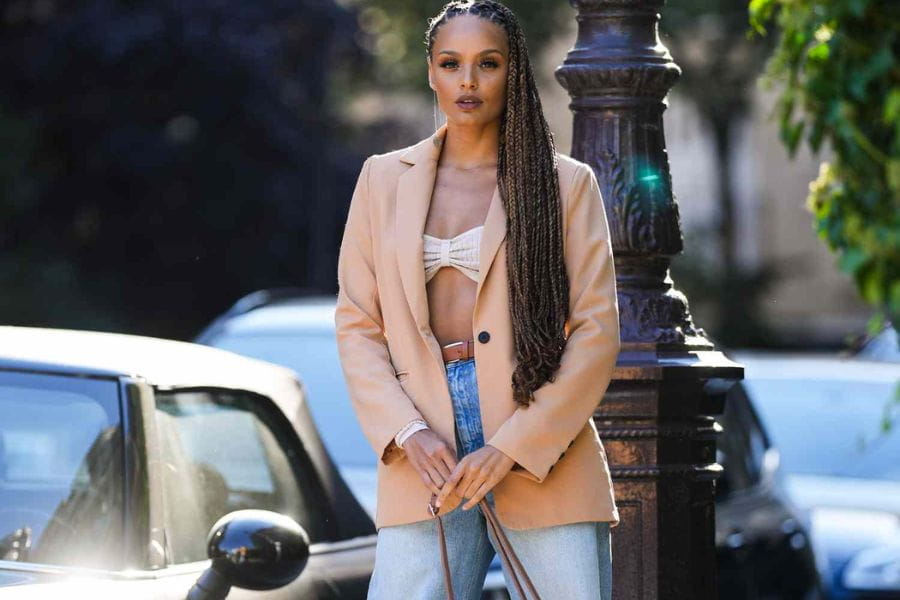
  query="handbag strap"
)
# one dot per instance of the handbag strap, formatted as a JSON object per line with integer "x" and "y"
{"x": 507, "y": 554}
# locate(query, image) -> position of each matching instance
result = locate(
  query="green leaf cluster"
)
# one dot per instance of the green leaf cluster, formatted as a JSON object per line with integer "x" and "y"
{"x": 839, "y": 63}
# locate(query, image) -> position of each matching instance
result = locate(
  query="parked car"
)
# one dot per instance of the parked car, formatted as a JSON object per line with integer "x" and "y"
{"x": 885, "y": 346}
{"x": 828, "y": 416}
{"x": 119, "y": 454}
{"x": 762, "y": 544}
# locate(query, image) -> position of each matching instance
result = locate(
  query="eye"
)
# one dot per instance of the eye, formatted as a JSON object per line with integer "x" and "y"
{"x": 452, "y": 63}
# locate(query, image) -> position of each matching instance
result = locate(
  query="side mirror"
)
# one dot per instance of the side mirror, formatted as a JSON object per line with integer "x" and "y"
{"x": 252, "y": 549}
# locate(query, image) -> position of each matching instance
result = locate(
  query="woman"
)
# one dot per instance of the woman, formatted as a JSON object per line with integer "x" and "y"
{"x": 479, "y": 380}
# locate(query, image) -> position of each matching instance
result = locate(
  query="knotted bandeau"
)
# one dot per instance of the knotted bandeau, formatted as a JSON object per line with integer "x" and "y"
{"x": 461, "y": 251}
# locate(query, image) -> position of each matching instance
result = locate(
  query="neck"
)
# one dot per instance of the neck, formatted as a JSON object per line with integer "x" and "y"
{"x": 469, "y": 147}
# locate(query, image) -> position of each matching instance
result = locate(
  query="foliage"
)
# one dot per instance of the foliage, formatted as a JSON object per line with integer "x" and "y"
{"x": 839, "y": 61}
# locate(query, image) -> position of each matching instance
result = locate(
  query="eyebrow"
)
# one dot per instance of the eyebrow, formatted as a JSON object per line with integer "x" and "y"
{"x": 488, "y": 51}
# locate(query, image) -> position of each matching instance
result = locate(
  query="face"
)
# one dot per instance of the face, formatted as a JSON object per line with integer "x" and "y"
{"x": 470, "y": 56}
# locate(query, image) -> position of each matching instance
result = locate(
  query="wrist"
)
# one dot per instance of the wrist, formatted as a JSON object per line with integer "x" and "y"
{"x": 409, "y": 429}
{"x": 512, "y": 462}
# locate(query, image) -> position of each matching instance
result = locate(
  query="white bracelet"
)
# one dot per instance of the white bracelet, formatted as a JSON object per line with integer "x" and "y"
{"x": 409, "y": 429}
{"x": 403, "y": 430}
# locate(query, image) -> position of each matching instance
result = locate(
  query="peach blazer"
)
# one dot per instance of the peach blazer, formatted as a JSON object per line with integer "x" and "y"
{"x": 393, "y": 366}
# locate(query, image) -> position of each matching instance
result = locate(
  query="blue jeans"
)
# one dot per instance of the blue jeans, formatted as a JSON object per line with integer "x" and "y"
{"x": 572, "y": 561}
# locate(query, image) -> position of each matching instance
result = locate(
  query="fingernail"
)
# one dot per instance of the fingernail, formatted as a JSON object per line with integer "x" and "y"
{"x": 437, "y": 504}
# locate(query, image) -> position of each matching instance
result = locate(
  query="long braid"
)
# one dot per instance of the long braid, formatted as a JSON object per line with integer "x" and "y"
{"x": 527, "y": 179}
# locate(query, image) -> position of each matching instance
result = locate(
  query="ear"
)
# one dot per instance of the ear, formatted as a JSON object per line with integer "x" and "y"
{"x": 430, "y": 80}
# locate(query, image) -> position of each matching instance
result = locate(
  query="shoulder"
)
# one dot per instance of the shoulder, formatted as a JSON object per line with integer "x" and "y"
{"x": 573, "y": 174}
{"x": 386, "y": 159}
{"x": 568, "y": 167}
{"x": 384, "y": 168}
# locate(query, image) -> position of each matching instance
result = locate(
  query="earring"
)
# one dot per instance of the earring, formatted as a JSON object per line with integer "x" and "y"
{"x": 435, "y": 110}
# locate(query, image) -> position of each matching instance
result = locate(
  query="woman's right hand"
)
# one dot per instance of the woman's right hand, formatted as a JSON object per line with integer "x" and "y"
{"x": 432, "y": 458}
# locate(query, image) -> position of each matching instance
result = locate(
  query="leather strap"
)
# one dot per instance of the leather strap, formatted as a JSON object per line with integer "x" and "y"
{"x": 507, "y": 555}
{"x": 458, "y": 350}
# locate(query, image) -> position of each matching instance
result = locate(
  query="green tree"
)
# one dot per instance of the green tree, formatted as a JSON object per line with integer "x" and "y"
{"x": 839, "y": 63}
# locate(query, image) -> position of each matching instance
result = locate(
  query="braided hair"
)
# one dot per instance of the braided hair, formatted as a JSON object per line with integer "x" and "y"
{"x": 528, "y": 184}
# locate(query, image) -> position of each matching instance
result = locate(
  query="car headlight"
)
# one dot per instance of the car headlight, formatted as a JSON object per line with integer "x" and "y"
{"x": 876, "y": 568}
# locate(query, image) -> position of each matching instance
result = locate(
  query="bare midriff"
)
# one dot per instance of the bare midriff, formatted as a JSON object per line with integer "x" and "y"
{"x": 459, "y": 202}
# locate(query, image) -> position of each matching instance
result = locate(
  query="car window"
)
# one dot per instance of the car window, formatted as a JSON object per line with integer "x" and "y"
{"x": 226, "y": 450}
{"x": 742, "y": 444}
{"x": 884, "y": 347}
{"x": 61, "y": 480}
{"x": 830, "y": 426}
{"x": 314, "y": 357}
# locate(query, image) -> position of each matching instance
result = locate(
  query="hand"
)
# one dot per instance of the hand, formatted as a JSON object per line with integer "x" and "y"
{"x": 432, "y": 458}
{"x": 476, "y": 474}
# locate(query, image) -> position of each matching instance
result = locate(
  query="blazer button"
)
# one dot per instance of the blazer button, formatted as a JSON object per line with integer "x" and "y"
{"x": 483, "y": 337}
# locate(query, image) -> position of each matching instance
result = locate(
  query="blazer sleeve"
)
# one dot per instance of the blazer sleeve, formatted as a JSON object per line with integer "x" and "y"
{"x": 537, "y": 436}
{"x": 378, "y": 400}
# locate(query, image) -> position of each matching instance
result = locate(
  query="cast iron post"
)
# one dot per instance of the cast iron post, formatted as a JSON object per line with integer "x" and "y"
{"x": 657, "y": 418}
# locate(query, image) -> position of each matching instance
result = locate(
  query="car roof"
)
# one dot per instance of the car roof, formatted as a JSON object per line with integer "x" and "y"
{"x": 161, "y": 362}
{"x": 308, "y": 314}
{"x": 813, "y": 365}
{"x": 169, "y": 363}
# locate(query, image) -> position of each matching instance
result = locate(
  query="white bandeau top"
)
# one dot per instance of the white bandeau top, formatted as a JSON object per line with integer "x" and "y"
{"x": 461, "y": 251}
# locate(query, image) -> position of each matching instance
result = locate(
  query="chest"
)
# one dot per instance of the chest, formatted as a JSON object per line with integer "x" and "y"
{"x": 459, "y": 201}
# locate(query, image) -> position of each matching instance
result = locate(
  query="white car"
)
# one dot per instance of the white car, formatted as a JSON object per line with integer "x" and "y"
{"x": 299, "y": 333}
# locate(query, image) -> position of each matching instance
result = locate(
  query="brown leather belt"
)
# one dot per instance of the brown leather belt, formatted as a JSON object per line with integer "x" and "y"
{"x": 458, "y": 350}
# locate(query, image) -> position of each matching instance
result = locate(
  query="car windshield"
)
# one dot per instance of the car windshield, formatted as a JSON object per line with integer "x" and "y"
{"x": 830, "y": 427}
{"x": 314, "y": 357}
{"x": 61, "y": 487}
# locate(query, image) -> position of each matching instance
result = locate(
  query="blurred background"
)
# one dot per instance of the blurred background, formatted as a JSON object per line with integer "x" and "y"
{"x": 165, "y": 158}
{"x": 184, "y": 169}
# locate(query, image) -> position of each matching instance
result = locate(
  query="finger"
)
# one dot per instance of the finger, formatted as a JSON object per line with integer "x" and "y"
{"x": 443, "y": 464}
{"x": 451, "y": 482}
{"x": 478, "y": 495}
{"x": 426, "y": 479}
{"x": 435, "y": 476}
{"x": 470, "y": 486}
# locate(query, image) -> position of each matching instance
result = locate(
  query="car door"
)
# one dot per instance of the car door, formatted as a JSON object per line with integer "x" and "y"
{"x": 762, "y": 549}
{"x": 222, "y": 450}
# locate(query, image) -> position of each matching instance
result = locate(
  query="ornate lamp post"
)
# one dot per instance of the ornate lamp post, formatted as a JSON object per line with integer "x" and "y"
{"x": 657, "y": 417}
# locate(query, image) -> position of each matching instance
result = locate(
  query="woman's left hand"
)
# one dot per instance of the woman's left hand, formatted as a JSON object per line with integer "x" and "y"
{"x": 476, "y": 474}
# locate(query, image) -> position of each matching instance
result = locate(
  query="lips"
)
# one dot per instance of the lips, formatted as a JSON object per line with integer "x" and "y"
{"x": 468, "y": 103}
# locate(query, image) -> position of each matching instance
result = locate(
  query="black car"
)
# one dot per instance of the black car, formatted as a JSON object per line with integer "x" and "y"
{"x": 763, "y": 545}
{"x": 761, "y": 539}
{"x": 120, "y": 453}
{"x": 831, "y": 418}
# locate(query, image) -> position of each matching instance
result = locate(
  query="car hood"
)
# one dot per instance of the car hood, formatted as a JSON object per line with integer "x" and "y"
{"x": 847, "y": 515}
{"x": 8, "y": 578}
{"x": 815, "y": 491}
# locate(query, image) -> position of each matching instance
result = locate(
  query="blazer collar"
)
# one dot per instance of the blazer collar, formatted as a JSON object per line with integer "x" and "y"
{"x": 414, "y": 189}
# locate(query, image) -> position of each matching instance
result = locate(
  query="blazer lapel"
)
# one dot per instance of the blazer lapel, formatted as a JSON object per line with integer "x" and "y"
{"x": 414, "y": 189}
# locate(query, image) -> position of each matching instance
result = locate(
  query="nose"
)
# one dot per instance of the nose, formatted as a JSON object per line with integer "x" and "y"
{"x": 468, "y": 78}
